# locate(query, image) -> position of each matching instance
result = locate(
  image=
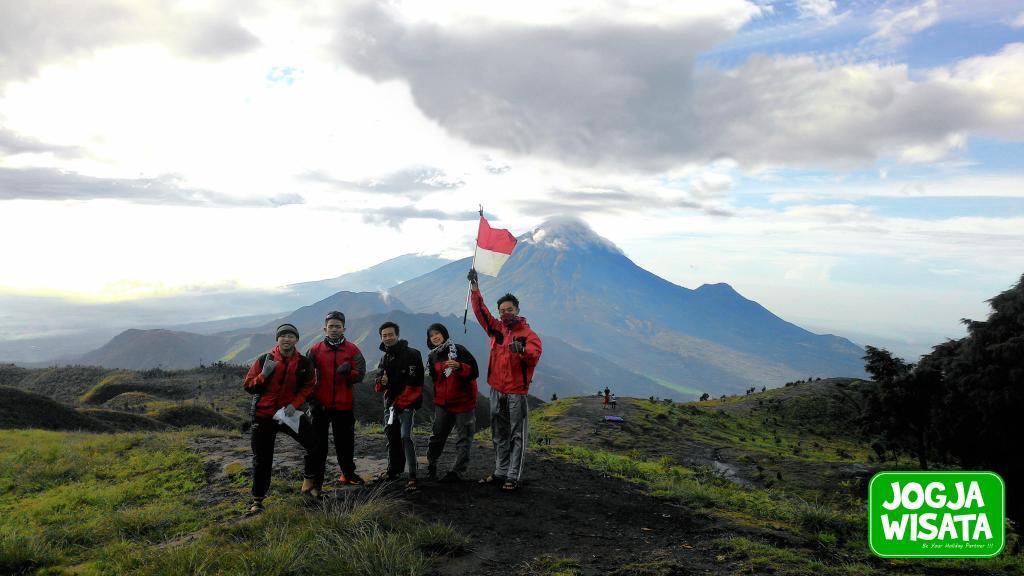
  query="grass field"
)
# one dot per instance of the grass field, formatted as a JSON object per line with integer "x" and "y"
{"x": 79, "y": 503}
{"x": 791, "y": 526}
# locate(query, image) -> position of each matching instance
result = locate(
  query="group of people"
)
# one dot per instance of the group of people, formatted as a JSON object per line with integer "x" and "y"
{"x": 283, "y": 381}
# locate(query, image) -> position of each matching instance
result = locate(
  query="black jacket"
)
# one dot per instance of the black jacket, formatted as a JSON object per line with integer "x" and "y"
{"x": 404, "y": 367}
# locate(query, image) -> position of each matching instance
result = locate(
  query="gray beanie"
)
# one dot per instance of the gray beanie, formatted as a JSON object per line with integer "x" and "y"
{"x": 286, "y": 328}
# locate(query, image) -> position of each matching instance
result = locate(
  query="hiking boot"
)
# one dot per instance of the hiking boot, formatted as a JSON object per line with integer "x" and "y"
{"x": 310, "y": 489}
{"x": 451, "y": 477}
{"x": 255, "y": 507}
{"x": 351, "y": 479}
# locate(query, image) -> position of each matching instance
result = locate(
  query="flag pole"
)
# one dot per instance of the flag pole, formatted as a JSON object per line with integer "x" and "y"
{"x": 469, "y": 290}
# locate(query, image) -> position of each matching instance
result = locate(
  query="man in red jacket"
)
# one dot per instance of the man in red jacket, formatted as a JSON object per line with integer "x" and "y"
{"x": 515, "y": 352}
{"x": 339, "y": 365}
{"x": 279, "y": 379}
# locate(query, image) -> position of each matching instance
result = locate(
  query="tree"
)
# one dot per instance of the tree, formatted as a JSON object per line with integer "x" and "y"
{"x": 900, "y": 408}
{"x": 963, "y": 403}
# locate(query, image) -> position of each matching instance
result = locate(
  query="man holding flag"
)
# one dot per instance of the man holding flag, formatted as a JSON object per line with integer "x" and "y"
{"x": 515, "y": 351}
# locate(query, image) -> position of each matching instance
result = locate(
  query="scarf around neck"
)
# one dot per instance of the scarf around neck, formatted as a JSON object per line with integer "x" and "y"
{"x": 452, "y": 353}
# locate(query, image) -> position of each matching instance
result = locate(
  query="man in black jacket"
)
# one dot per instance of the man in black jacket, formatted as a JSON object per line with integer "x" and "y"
{"x": 400, "y": 378}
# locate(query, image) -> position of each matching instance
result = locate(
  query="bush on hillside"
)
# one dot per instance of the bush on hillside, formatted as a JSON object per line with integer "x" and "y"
{"x": 20, "y": 409}
{"x": 181, "y": 416}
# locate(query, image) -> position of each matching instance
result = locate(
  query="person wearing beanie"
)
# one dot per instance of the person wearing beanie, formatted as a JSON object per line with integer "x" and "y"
{"x": 515, "y": 352}
{"x": 454, "y": 371}
{"x": 339, "y": 366}
{"x": 281, "y": 378}
{"x": 400, "y": 378}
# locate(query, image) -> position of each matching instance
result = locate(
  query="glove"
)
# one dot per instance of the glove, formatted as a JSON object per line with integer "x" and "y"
{"x": 345, "y": 369}
{"x": 517, "y": 347}
{"x": 472, "y": 277}
{"x": 268, "y": 367}
{"x": 289, "y": 410}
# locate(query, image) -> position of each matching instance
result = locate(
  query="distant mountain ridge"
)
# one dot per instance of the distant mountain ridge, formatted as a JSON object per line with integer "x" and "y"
{"x": 603, "y": 320}
{"x": 376, "y": 278}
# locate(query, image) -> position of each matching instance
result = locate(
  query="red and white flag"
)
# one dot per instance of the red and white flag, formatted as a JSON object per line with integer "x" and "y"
{"x": 493, "y": 247}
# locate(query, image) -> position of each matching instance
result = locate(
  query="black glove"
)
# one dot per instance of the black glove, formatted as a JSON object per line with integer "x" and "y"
{"x": 345, "y": 369}
{"x": 517, "y": 347}
{"x": 472, "y": 277}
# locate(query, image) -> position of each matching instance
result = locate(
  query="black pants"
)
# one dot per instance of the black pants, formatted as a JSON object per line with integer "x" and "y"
{"x": 264, "y": 433}
{"x": 343, "y": 423}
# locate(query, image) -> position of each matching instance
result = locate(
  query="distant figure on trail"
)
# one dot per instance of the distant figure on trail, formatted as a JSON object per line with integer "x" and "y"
{"x": 515, "y": 352}
{"x": 606, "y": 397}
{"x": 281, "y": 378}
{"x": 339, "y": 365}
{"x": 400, "y": 378}
{"x": 554, "y": 397}
{"x": 454, "y": 371}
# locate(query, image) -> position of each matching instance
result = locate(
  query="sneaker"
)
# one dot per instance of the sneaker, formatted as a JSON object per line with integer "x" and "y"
{"x": 451, "y": 477}
{"x": 352, "y": 479}
{"x": 385, "y": 477}
{"x": 412, "y": 486}
{"x": 432, "y": 473}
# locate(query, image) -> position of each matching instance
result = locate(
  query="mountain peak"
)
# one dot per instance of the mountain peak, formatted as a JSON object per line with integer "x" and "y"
{"x": 565, "y": 232}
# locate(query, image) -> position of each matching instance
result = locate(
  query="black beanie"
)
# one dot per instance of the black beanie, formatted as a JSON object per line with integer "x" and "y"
{"x": 286, "y": 328}
{"x": 438, "y": 327}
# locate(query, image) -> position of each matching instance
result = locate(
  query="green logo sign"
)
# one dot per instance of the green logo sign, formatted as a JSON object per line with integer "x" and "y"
{"x": 936, "y": 514}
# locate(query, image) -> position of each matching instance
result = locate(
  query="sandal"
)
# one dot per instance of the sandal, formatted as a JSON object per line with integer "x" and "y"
{"x": 510, "y": 485}
{"x": 491, "y": 479}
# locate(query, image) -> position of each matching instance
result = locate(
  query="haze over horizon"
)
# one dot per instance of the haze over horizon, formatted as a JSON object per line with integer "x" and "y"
{"x": 851, "y": 166}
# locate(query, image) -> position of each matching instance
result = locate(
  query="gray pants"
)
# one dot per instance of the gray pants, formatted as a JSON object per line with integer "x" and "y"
{"x": 401, "y": 449}
{"x": 509, "y": 419}
{"x": 465, "y": 427}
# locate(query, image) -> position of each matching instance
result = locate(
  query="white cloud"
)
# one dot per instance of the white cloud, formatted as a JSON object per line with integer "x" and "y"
{"x": 48, "y": 31}
{"x": 816, "y": 8}
{"x": 565, "y": 12}
{"x": 629, "y": 97}
{"x": 893, "y": 26}
{"x": 1018, "y": 22}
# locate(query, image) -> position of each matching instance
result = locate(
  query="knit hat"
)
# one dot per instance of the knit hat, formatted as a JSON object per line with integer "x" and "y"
{"x": 438, "y": 327}
{"x": 285, "y": 329}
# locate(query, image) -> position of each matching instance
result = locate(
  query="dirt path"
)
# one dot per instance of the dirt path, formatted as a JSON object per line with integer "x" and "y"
{"x": 606, "y": 525}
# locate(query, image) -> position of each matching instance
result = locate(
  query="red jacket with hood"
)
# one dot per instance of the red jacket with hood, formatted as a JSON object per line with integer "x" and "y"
{"x": 334, "y": 391}
{"x": 290, "y": 383}
{"x": 507, "y": 371}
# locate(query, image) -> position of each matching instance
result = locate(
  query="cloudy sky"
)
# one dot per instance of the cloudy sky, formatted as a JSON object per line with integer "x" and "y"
{"x": 853, "y": 166}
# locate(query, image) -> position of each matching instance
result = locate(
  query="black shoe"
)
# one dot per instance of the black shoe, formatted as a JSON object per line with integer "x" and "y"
{"x": 451, "y": 477}
{"x": 432, "y": 473}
